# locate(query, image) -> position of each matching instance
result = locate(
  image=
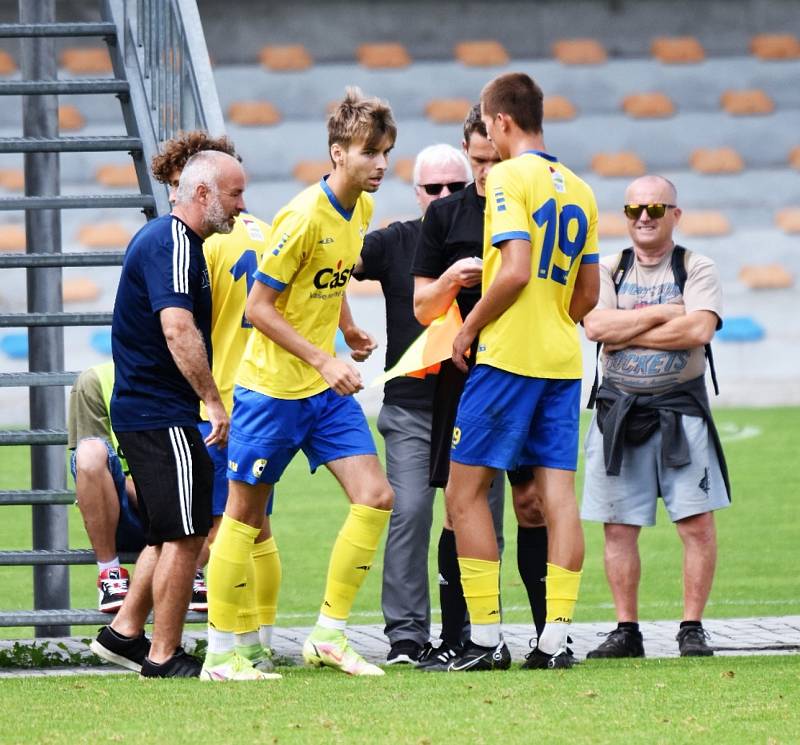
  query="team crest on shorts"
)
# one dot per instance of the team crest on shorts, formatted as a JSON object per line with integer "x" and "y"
{"x": 259, "y": 466}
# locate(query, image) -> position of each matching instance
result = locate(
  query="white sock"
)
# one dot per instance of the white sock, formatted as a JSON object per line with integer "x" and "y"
{"x": 331, "y": 623}
{"x": 554, "y": 637}
{"x": 485, "y": 634}
{"x": 247, "y": 639}
{"x": 220, "y": 642}
{"x": 265, "y": 636}
{"x": 103, "y": 565}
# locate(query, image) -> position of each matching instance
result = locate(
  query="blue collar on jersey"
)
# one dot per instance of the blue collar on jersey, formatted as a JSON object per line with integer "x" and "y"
{"x": 551, "y": 158}
{"x": 334, "y": 201}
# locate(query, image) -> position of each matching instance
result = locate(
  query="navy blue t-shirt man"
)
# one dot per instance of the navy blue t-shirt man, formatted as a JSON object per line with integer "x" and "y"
{"x": 164, "y": 268}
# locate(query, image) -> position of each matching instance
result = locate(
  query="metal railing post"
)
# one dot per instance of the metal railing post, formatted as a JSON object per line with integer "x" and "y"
{"x": 43, "y": 235}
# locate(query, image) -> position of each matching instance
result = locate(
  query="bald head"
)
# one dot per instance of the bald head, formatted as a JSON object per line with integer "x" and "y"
{"x": 652, "y": 184}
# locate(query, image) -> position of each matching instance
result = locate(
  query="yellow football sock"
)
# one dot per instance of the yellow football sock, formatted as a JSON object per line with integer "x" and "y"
{"x": 267, "y": 566}
{"x": 481, "y": 582}
{"x": 247, "y": 617}
{"x": 351, "y": 558}
{"x": 227, "y": 572}
{"x": 562, "y": 592}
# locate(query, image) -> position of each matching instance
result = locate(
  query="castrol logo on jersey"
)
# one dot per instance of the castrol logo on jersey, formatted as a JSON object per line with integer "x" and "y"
{"x": 331, "y": 278}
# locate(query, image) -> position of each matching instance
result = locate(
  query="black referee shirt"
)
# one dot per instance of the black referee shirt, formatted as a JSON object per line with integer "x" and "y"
{"x": 387, "y": 255}
{"x": 452, "y": 230}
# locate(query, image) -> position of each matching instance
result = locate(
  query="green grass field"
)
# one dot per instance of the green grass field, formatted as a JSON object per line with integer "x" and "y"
{"x": 734, "y": 700}
{"x": 757, "y": 537}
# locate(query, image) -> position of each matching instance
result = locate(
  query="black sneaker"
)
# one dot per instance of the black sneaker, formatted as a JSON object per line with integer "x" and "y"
{"x": 692, "y": 642}
{"x": 621, "y": 642}
{"x": 404, "y": 652}
{"x": 125, "y": 651}
{"x": 538, "y": 660}
{"x": 475, "y": 657}
{"x": 437, "y": 659}
{"x": 112, "y": 587}
{"x": 180, "y": 665}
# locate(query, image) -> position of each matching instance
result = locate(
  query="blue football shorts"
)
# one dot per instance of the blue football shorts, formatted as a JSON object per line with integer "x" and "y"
{"x": 506, "y": 421}
{"x": 267, "y": 432}
{"x": 130, "y": 532}
{"x": 219, "y": 457}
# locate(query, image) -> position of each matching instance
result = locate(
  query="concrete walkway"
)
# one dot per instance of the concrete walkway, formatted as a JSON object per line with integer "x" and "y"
{"x": 732, "y": 636}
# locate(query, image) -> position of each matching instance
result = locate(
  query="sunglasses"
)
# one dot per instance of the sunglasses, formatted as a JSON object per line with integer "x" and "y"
{"x": 436, "y": 189}
{"x": 654, "y": 211}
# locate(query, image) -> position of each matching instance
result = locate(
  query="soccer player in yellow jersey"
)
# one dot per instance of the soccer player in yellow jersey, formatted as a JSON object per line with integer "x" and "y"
{"x": 293, "y": 394}
{"x": 231, "y": 258}
{"x": 520, "y": 405}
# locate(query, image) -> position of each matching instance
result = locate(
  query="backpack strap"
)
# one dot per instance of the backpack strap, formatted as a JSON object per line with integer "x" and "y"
{"x": 624, "y": 264}
{"x": 679, "y": 255}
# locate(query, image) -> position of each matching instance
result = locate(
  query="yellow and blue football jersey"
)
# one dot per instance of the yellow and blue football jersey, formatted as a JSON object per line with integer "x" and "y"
{"x": 313, "y": 247}
{"x": 232, "y": 260}
{"x": 535, "y": 198}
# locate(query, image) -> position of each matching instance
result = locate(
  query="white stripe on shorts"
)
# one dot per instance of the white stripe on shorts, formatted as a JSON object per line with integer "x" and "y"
{"x": 183, "y": 464}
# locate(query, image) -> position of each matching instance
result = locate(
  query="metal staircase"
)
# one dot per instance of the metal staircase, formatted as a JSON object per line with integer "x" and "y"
{"x": 164, "y": 84}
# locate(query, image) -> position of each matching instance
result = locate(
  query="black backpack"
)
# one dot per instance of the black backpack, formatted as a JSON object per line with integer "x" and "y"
{"x": 679, "y": 273}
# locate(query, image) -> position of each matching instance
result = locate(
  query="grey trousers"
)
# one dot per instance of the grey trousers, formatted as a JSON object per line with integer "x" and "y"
{"x": 405, "y": 597}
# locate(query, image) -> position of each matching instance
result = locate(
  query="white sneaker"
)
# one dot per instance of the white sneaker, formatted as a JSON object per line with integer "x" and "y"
{"x": 331, "y": 649}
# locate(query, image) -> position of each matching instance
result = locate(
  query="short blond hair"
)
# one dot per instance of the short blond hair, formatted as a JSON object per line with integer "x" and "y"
{"x": 357, "y": 117}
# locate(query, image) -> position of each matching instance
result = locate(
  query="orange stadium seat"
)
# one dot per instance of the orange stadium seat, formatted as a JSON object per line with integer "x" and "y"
{"x": 104, "y": 235}
{"x": 69, "y": 118}
{"x": 117, "y": 175}
{"x": 80, "y": 290}
{"x": 579, "y": 52}
{"x": 613, "y": 165}
{"x": 253, "y": 113}
{"x": 404, "y": 169}
{"x": 747, "y": 102}
{"x": 648, "y": 105}
{"x": 85, "y": 60}
{"x": 775, "y": 46}
{"x": 382, "y": 55}
{"x": 766, "y": 277}
{"x": 447, "y": 110}
{"x": 286, "y": 58}
{"x": 558, "y": 109}
{"x": 707, "y": 223}
{"x": 12, "y": 238}
{"x": 794, "y": 157}
{"x": 311, "y": 171}
{"x": 788, "y": 219}
{"x": 7, "y": 64}
{"x": 612, "y": 225}
{"x": 677, "y": 50}
{"x": 12, "y": 179}
{"x": 719, "y": 160}
{"x": 486, "y": 53}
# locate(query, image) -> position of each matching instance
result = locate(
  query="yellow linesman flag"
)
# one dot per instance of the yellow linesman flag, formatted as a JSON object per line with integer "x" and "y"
{"x": 433, "y": 345}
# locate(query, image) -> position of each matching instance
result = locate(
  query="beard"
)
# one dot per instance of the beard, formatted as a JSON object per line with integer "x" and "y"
{"x": 216, "y": 218}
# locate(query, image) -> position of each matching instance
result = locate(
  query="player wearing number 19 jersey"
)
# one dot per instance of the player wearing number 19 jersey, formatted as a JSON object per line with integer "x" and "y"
{"x": 520, "y": 405}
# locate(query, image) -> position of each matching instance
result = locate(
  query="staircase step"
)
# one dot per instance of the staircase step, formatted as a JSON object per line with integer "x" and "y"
{"x": 69, "y": 144}
{"x": 89, "y": 202}
{"x": 37, "y": 496}
{"x": 82, "y": 258}
{"x": 62, "y": 87}
{"x": 33, "y": 437}
{"x": 36, "y": 379}
{"x": 73, "y": 617}
{"x": 21, "y": 320}
{"x": 58, "y": 556}
{"x": 29, "y": 30}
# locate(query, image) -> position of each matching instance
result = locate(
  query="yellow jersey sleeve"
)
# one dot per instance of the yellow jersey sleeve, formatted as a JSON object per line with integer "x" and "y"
{"x": 291, "y": 239}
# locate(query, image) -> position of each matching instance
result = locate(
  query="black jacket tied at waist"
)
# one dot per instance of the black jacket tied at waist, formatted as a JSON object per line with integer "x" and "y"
{"x": 632, "y": 418}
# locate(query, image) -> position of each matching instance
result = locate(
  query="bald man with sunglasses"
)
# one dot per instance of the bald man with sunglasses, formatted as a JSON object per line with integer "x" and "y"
{"x": 653, "y": 435}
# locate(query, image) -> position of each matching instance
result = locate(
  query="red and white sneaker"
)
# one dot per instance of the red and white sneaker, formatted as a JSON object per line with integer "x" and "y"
{"x": 199, "y": 601}
{"x": 112, "y": 587}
